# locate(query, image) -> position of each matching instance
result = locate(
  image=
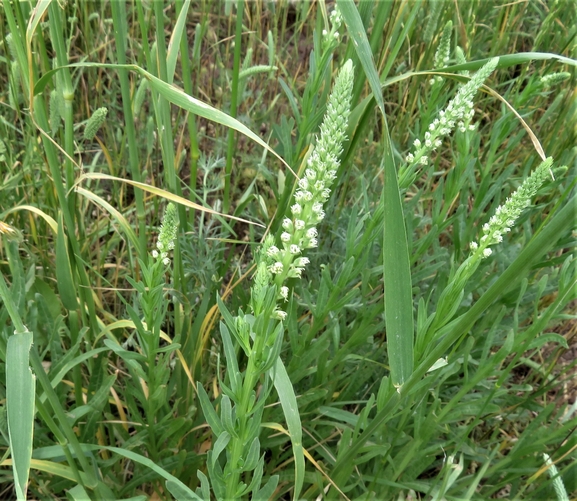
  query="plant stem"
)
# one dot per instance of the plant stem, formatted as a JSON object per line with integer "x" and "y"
{"x": 233, "y": 104}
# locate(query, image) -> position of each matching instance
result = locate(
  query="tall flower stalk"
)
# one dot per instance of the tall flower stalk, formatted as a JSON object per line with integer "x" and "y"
{"x": 260, "y": 332}
{"x": 498, "y": 225}
{"x": 458, "y": 113}
{"x": 148, "y": 317}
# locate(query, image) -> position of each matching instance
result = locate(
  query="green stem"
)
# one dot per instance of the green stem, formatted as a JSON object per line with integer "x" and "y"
{"x": 238, "y": 443}
{"x": 19, "y": 327}
{"x": 233, "y": 104}
{"x": 118, "y": 15}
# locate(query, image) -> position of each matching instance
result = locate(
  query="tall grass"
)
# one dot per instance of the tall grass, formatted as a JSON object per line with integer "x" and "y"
{"x": 220, "y": 281}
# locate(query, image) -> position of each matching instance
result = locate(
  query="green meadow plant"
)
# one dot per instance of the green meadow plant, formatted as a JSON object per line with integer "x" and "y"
{"x": 260, "y": 333}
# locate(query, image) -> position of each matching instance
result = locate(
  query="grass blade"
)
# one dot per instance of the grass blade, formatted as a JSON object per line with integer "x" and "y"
{"x": 20, "y": 393}
{"x": 396, "y": 264}
{"x": 174, "y": 44}
{"x": 288, "y": 401}
{"x": 161, "y": 193}
{"x": 64, "y": 270}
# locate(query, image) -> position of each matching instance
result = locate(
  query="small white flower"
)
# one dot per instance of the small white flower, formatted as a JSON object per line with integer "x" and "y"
{"x": 276, "y": 268}
{"x": 166, "y": 261}
{"x": 308, "y": 196}
{"x": 326, "y": 194}
{"x": 487, "y": 252}
{"x": 296, "y": 209}
{"x": 312, "y": 233}
{"x": 285, "y": 237}
{"x": 438, "y": 143}
{"x": 319, "y": 186}
{"x": 409, "y": 158}
{"x": 417, "y": 143}
{"x": 304, "y": 183}
{"x": 284, "y": 291}
{"x": 320, "y": 215}
{"x": 301, "y": 262}
{"x": 279, "y": 314}
{"x": 317, "y": 207}
{"x": 287, "y": 224}
{"x": 299, "y": 196}
{"x": 313, "y": 242}
{"x": 424, "y": 160}
{"x": 154, "y": 253}
{"x": 160, "y": 245}
{"x": 486, "y": 227}
{"x": 272, "y": 251}
{"x": 297, "y": 272}
{"x": 294, "y": 249}
{"x": 299, "y": 224}
{"x": 474, "y": 246}
{"x": 472, "y": 126}
{"x": 428, "y": 143}
{"x": 311, "y": 174}
{"x": 427, "y": 135}
{"x": 432, "y": 127}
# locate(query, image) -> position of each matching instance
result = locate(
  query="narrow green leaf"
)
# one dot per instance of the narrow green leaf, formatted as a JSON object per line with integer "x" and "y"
{"x": 288, "y": 402}
{"x": 20, "y": 394}
{"x": 252, "y": 456}
{"x": 124, "y": 224}
{"x": 219, "y": 446}
{"x": 174, "y": 44}
{"x": 64, "y": 270}
{"x": 77, "y": 493}
{"x": 208, "y": 411}
{"x": 231, "y": 362}
{"x": 180, "y": 491}
{"x": 267, "y": 491}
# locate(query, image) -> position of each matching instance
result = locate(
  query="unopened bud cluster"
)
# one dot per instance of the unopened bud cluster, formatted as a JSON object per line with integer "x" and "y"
{"x": 299, "y": 232}
{"x": 553, "y": 79}
{"x": 331, "y": 38}
{"x": 167, "y": 234}
{"x": 459, "y": 112}
{"x": 443, "y": 51}
{"x": 506, "y": 214}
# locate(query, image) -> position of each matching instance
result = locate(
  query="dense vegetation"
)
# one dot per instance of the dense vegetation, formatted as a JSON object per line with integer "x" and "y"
{"x": 288, "y": 250}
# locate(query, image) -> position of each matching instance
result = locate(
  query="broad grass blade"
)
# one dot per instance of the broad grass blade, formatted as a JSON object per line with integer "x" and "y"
{"x": 160, "y": 192}
{"x": 396, "y": 264}
{"x": 64, "y": 270}
{"x": 20, "y": 393}
{"x": 174, "y": 43}
{"x": 288, "y": 401}
{"x": 128, "y": 231}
